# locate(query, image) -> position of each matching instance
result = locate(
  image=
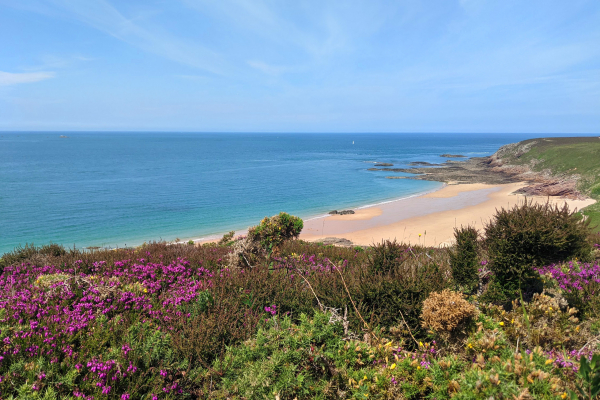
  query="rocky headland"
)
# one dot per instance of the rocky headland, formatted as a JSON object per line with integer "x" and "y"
{"x": 507, "y": 165}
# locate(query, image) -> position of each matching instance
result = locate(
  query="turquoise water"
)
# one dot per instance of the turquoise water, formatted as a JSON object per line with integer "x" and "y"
{"x": 117, "y": 189}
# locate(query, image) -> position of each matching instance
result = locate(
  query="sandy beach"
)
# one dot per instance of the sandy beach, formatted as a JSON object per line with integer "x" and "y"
{"x": 428, "y": 219}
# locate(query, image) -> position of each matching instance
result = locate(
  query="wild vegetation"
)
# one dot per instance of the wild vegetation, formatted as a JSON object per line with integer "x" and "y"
{"x": 511, "y": 316}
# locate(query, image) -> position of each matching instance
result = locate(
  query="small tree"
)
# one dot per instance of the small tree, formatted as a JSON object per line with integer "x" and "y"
{"x": 463, "y": 259}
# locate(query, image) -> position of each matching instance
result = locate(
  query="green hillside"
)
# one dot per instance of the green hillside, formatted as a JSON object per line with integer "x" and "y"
{"x": 565, "y": 157}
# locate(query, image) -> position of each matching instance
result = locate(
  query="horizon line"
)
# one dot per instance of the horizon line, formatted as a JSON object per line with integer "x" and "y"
{"x": 295, "y": 132}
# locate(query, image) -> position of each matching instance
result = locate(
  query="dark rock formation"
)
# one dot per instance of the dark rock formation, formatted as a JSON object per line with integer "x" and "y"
{"x": 421, "y": 163}
{"x": 343, "y": 212}
{"x": 383, "y": 164}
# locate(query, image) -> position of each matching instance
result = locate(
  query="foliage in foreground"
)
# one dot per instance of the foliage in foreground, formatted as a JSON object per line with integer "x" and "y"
{"x": 302, "y": 321}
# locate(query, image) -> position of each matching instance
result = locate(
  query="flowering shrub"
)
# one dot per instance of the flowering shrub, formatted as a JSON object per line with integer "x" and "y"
{"x": 312, "y": 360}
{"x": 98, "y": 330}
{"x": 578, "y": 282}
{"x": 540, "y": 323}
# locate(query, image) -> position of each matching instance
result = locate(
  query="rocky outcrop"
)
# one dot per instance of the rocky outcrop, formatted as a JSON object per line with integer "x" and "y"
{"x": 421, "y": 163}
{"x": 383, "y": 164}
{"x": 565, "y": 188}
{"x": 453, "y": 155}
{"x": 343, "y": 212}
{"x": 504, "y": 166}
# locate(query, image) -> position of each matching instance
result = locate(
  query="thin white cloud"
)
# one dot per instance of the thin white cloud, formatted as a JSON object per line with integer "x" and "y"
{"x": 9, "y": 78}
{"x": 52, "y": 61}
{"x": 103, "y": 16}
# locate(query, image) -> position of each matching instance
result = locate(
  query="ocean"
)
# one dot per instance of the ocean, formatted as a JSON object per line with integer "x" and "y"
{"x": 122, "y": 189}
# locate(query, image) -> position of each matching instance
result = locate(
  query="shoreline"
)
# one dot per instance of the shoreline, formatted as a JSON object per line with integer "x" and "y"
{"x": 433, "y": 214}
{"x": 428, "y": 219}
{"x": 217, "y": 237}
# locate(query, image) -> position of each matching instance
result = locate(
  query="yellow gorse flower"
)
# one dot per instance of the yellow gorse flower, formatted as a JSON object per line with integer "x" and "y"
{"x": 393, "y": 366}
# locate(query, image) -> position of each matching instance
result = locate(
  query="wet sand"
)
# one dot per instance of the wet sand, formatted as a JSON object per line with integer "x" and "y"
{"x": 429, "y": 219}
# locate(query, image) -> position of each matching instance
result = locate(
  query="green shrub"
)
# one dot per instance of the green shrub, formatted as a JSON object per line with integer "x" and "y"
{"x": 284, "y": 360}
{"x": 310, "y": 360}
{"x": 227, "y": 239}
{"x": 273, "y": 231}
{"x": 531, "y": 235}
{"x": 463, "y": 259}
{"x": 387, "y": 255}
{"x": 212, "y": 325}
{"x": 31, "y": 253}
{"x": 384, "y": 298}
{"x": 541, "y": 322}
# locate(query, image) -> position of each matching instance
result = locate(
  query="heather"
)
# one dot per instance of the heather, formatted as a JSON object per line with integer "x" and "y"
{"x": 281, "y": 318}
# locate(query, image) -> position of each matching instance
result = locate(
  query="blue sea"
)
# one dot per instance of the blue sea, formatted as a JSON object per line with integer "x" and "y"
{"x": 121, "y": 189}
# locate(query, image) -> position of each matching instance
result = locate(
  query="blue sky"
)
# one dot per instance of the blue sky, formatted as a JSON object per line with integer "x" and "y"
{"x": 300, "y": 66}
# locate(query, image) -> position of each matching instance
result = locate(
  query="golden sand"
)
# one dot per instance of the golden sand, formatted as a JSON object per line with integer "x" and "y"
{"x": 429, "y": 219}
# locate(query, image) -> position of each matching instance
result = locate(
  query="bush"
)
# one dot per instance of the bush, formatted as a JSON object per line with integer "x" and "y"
{"x": 31, "y": 252}
{"x": 533, "y": 235}
{"x": 447, "y": 313}
{"x": 464, "y": 258}
{"x": 578, "y": 283}
{"x": 311, "y": 360}
{"x": 387, "y": 255}
{"x": 272, "y": 232}
{"x": 540, "y": 322}
{"x": 263, "y": 240}
{"x": 227, "y": 239}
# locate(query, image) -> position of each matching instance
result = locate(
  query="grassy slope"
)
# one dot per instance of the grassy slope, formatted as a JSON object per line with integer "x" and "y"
{"x": 568, "y": 156}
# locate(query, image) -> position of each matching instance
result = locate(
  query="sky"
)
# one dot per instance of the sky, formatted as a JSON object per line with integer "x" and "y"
{"x": 300, "y": 66}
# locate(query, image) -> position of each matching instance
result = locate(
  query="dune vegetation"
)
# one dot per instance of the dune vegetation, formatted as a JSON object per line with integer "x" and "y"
{"x": 509, "y": 313}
